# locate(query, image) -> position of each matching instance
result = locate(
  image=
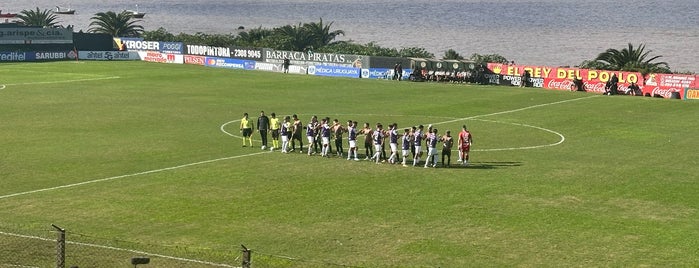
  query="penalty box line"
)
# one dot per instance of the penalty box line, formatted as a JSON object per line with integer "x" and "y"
{"x": 129, "y": 175}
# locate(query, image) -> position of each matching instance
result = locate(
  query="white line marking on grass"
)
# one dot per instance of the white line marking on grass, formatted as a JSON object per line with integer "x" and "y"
{"x": 129, "y": 175}
{"x": 2, "y": 87}
{"x": 515, "y": 110}
{"x": 119, "y": 249}
{"x": 228, "y": 133}
{"x": 563, "y": 138}
{"x": 64, "y": 81}
{"x": 239, "y": 156}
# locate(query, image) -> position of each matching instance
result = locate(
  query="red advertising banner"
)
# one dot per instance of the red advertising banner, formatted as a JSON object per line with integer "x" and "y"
{"x": 198, "y": 60}
{"x": 665, "y": 84}
{"x": 565, "y": 73}
{"x": 561, "y": 78}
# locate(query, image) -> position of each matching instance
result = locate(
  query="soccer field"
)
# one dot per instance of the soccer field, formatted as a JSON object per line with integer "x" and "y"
{"x": 145, "y": 159}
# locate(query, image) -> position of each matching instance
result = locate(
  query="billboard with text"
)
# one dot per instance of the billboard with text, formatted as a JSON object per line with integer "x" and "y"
{"x": 229, "y": 63}
{"x": 152, "y": 56}
{"x": 108, "y": 55}
{"x": 337, "y": 71}
{"x": 35, "y": 35}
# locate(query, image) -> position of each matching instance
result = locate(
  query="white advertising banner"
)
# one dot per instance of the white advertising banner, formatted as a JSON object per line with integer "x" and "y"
{"x": 108, "y": 55}
{"x": 153, "y": 56}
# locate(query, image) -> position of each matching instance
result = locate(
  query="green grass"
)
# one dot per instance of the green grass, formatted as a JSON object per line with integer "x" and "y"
{"x": 620, "y": 190}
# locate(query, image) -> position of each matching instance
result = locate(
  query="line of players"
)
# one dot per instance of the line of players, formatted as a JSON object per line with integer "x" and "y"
{"x": 320, "y": 132}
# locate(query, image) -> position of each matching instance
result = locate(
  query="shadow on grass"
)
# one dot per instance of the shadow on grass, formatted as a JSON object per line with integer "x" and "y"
{"x": 485, "y": 165}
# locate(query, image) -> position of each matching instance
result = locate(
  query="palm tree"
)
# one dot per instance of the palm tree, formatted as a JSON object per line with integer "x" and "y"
{"x": 294, "y": 38}
{"x": 117, "y": 25}
{"x": 321, "y": 34}
{"x": 630, "y": 59}
{"x": 253, "y": 36}
{"x": 39, "y": 18}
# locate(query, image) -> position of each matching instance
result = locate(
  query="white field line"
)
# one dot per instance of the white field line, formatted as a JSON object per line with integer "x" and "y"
{"x": 515, "y": 110}
{"x": 63, "y": 81}
{"x": 240, "y": 156}
{"x": 120, "y": 249}
{"x": 129, "y": 175}
{"x": 563, "y": 138}
{"x": 228, "y": 133}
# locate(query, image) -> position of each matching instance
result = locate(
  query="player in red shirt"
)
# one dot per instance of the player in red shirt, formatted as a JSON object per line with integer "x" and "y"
{"x": 465, "y": 141}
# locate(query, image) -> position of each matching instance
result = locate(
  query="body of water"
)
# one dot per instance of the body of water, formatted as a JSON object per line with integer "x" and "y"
{"x": 533, "y": 32}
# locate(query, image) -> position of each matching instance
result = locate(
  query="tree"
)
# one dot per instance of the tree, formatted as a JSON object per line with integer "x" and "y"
{"x": 37, "y": 17}
{"x": 159, "y": 35}
{"x": 117, "y": 25}
{"x": 294, "y": 38}
{"x": 483, "y": 59}
{"x": 349, "y": 47}
{"x": 415, "y": 52}
{"x": 593, "y": 64}
{"x": 630, "y": 59}
{"x": 320, "y": 34}
{"x": 452, "y": 55}
{"x": 253, "y": 37}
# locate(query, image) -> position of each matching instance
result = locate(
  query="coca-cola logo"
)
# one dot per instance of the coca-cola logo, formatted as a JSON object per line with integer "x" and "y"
{"x": 560, "y": 84}
{"x": 594, "y": 87}
{"x": 665, "y": 92}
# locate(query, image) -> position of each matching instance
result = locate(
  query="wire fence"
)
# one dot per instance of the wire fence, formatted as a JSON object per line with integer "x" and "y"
{"x": 44, "y": 248}
{"x": 55, "y": 247}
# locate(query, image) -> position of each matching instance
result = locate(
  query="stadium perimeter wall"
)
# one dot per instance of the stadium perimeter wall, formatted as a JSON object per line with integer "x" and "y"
{"x": 27, "y": 44}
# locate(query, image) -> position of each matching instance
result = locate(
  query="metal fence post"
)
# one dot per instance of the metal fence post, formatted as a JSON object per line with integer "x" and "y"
{"x": 247, "y": 257}
{"x": 60, "y": 247}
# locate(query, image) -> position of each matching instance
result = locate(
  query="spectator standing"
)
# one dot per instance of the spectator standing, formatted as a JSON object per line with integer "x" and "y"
{"x": 525, "y": 79}
{"x": 286, "y": 65}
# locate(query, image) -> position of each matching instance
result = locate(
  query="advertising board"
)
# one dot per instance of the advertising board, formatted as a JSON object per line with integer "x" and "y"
{"x": 212, "y": 51}
{"x": 319, "y": 59}
{"x": 54, "y": 55}
{"x": 17, "y": 56}
{"x": 336, "y": 71}
{"x": 246, "y": 53}
{"x": 665, "y": 84}
{"x": 229, "y": 63}
{"x": 108, "y": 55}
{"x": 197, "y": 60}
{"x": 152, "y": 56}
{"x": 35, "y": 35}
{"x": 691, "y": 94}
{"x": 137, "y": 44}
{"x": 561, "y": 78}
